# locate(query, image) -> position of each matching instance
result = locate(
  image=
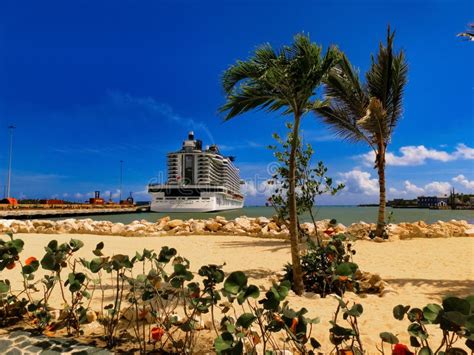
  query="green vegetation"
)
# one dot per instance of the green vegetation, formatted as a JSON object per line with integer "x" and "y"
{"x": 285, "y": 80}
{"x": 155, "y": 302}
{"x": 368, "y": 112}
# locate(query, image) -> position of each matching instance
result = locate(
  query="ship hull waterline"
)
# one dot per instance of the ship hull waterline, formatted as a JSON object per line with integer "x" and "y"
{"x": 209, "y": 204}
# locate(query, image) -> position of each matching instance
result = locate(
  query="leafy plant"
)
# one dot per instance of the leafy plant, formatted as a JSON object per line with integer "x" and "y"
{"x": 261, "y": 319}
{"x": 455, "y": 318}
{"x": 328, "y": 267}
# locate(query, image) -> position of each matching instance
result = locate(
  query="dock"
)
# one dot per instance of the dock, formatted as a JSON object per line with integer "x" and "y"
{"x": 32, "y": 212}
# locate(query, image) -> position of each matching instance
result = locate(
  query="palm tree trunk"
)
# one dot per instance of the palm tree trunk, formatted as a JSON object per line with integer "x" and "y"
{"x": 382, "y": 198}
{"x": 295, "y": 252}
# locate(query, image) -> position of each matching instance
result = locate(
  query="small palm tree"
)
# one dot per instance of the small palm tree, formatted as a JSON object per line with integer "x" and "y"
{"x": 286, "y": 81}
{"x": 368, "y": 112}
{"x": 469, "y": 34}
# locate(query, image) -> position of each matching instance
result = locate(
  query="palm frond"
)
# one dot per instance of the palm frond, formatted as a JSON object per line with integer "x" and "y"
{"x": 469, "y": 34}
{"x": 341, "y": 122}
{"x": 277, "y": 80}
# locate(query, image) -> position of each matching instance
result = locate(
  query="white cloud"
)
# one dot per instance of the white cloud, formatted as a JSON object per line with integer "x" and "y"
{"x": 359, "y": 182}
{"x": 412, "y": 188}
{"x": 438, "y": 188}
{"x": 249, "y": 188}
{"x": 462, "y": 180}
{"x": 418, "y": 155}
{"x": 464, "y": 152}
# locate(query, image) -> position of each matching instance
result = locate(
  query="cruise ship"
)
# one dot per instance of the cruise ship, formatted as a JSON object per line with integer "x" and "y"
{"x": 199, "y": 180}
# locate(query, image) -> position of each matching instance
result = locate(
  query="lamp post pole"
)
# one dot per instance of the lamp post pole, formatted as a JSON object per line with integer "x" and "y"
{"x": 121, "y": 180}
{"x": 9, "y": 176}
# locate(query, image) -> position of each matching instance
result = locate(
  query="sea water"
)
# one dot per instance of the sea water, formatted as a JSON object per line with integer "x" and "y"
{"x": 343, "y": 214}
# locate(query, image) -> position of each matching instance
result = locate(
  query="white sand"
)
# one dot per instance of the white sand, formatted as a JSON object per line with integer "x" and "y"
{"x": 420, "y": 270}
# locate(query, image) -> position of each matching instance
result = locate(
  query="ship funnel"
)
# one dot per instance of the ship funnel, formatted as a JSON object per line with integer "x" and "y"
{"x": 191, "y": 135}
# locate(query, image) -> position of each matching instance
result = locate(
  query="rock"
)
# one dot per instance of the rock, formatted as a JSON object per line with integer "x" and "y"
{"x": 242, "y": 222}
{"x": 272, "y": 226}
{"x": 173, "y": 224}
{"x": 197, "y": 227}
{"x": 378, "y": 240}
{"x": 262, "y": 220}
{"x": 213, "y": 226}
{"x": 469, "y": 232}
{"x": 220, "y": 219}
{"x": 229, "y": 227}
{"x": 91, "y": 316}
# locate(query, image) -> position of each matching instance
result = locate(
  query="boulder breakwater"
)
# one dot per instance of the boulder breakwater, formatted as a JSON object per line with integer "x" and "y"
{"x": 245, "y": 226}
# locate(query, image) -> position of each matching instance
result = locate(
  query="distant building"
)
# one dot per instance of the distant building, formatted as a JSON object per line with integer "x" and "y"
{"x": 432, "y": 201}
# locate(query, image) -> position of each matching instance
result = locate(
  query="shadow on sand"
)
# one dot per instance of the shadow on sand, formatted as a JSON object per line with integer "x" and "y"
{"x": 272, "y": 245}
{"x": 459, "y": 288}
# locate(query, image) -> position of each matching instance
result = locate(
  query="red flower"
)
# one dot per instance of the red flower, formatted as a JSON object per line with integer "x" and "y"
{"x": 329, "y": 231}
{"x": 157, "y": 333}
{"x": 294, "y": 323}
{"x": 10, "y": 265}
{"x": 30, "y": 260}
{"x": 401, "y": 349}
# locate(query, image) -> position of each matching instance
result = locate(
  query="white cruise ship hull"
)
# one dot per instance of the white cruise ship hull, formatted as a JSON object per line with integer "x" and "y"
{"x": 185, "y": 204}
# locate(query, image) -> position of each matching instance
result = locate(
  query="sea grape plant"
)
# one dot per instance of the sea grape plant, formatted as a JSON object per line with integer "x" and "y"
{"x": 455, "y": 318}
{"x": 328, "y": 267}
{"x": 261, "y": 320}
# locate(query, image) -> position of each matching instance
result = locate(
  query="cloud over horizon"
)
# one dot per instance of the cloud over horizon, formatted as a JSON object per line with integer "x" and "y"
{"x": 419, "y": 155}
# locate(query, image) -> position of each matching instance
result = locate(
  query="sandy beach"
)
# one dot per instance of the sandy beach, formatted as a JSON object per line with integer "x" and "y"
{"x": 420, "y": 271}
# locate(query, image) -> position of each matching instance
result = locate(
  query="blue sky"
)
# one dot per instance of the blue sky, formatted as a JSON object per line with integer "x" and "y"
{"x": 90, "y": 83}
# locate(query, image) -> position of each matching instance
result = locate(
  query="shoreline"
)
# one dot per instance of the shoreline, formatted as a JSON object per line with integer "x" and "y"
{"x": 262, "y": 227}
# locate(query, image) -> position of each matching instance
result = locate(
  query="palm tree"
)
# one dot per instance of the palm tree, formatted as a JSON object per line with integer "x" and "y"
{"x": 368, "y": 112}
{"x": 469, "y": 34}
{"x": 286, "y": 81}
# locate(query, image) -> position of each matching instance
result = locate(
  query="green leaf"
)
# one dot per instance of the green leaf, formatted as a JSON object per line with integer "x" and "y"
{"x": 4, "y": 287}
{"x": 425, "y": 351}
{"x": 96, "y": 264}
{"x": 470, "y": 344}
{"x": 431, "y": 312}
{"x": 414, "y": 342}
{"x": 400, "y": 311}
{"x": 314, "y": 343}
{"x": 245, "y": 320}
{"x": 53, "y": 245}
{"x": 346, "y": 269}
{"x": 415, "y": 314}
{"x": 251, "y": 291}
{"x": 76, "y": 244}
{"x": 455, "y": 304}
{"x": 389, "y": 338}
{"x": 31, "y": 268}
{"x": 49, "y": 262}
{"x": 223, "y": 342}
{"x": 235, "y": 282}
{"x": 356, "y": 310}
{"x": 456, "y": 351}
{"x": 416, "y": 330}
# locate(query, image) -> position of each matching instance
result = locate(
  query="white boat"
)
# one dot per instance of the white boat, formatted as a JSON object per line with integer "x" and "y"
{"x": 199, "y": 180}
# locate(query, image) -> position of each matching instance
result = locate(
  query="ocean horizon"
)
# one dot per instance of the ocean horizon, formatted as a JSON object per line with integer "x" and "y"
{"x": 344, "y": 214}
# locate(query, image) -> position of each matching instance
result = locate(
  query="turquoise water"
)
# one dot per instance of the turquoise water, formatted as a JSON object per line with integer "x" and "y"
{"x": 343, "y": 214}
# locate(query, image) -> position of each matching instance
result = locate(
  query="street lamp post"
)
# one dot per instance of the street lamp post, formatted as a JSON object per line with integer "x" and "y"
{"x": 121, "y": 180}
{"x": 9, "y": 176}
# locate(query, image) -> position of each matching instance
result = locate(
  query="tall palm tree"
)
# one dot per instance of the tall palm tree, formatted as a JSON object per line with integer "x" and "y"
{"x": 368, "y": 112}
{"x": 286, "y": 81}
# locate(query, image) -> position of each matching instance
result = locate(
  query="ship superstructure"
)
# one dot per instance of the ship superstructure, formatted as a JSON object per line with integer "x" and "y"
{"x": 199, "y": 180}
